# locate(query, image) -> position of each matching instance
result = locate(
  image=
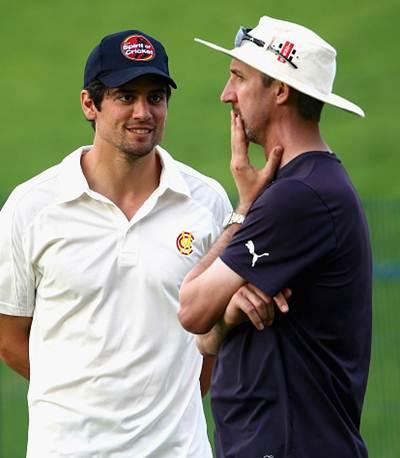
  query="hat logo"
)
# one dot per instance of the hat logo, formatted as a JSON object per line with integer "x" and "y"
{"x": 137, "y": 47}
{"x": 287, "y": 51}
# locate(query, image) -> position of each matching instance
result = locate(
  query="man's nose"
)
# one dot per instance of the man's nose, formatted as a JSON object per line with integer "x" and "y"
{"x": 141, "y": 109}
{"x": 228, "y": 95}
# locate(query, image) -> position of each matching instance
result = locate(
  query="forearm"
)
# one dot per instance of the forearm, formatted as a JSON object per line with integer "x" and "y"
{"x": 14, "y": 342}
{"x": 17, "y": 358}
{"x": 208, "y": 288}
{"x": 250, "y": 304}
{"x": 210, "y": 343}
{"x": 213, "y": 253}
{"x": 205, "y": 376}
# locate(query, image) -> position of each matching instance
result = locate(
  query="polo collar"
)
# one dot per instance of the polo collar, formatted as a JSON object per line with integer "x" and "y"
{"x": 171, "y": 178}
{"x": 73, "y": 184}
{"x": 72, "y": 181}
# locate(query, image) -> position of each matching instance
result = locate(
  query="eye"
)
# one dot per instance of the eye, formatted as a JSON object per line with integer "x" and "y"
{"x": 157, "y": 98}
{"x": 125, "y": 98}
{"x": 236, "y": 76}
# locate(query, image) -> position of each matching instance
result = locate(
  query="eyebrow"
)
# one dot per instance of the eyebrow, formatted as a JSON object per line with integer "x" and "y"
{"x": 121, "y": 90}
{"x": 236, "y": 72}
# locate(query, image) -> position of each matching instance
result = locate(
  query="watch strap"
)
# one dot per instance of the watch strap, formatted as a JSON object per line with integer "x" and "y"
{"x": 233, "y": 218}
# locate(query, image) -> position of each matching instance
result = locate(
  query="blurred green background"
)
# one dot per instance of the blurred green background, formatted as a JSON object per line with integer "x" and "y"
{"x": 44, "y": 46}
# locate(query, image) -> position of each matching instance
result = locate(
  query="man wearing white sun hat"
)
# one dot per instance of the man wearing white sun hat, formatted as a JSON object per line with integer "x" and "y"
{"x": 294, "y": 388}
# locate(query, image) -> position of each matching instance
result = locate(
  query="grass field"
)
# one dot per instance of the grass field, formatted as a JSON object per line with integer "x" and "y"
{"x": 44, "y": 45}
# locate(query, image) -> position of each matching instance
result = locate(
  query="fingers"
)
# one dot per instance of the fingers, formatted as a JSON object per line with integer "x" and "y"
{"x": 252, "y": 307}
{"x": 280, "y": 299}
{"x": 259, "y": 292}
{"x": 260, "y": 302}
{"x": 272, "y": 165}
{"x": 281, "y": 302}
{"x": 251, "y": 303}
{"x": 244, "y": 306}
{"x": 239, "y": 143}
{"x": 287, "y": 292}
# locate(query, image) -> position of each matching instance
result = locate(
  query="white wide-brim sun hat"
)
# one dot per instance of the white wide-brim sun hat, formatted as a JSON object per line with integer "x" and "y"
{"x": 294, "y": 55}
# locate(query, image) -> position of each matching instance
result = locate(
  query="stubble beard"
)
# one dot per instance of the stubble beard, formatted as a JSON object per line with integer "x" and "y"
{"x": 250, "y": 134}
{"x": 132, "y": 154}
{"x": 134, "y": 151}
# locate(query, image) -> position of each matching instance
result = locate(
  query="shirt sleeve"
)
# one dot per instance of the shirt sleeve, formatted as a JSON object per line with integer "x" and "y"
{"x": 17, "y": 283}
{"x": 223, "y": 209}
{"x": 219, "y": 207}
{"x": 287, "y": 231}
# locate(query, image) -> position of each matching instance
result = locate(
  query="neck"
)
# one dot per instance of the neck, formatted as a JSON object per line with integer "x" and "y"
{"x": 296, "y": 136}
{"x": 126, "y": 183}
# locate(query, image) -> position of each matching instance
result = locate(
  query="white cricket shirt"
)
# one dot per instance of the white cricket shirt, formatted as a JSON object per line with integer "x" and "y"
{"x": 113, "y": 374}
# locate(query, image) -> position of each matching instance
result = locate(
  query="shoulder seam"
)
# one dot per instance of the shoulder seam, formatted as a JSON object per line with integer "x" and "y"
{"x": 29, "y": 186}
{"x": 208, "y": 181}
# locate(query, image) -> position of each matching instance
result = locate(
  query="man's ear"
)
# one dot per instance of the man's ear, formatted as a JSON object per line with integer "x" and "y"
{"x": 88, "y": 107}
{"x": 283, "y": 92}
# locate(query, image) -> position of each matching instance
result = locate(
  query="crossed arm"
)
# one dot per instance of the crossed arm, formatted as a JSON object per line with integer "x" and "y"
{"x": 14, "y": 342}
{"x": 247, "y": 304}
{"x": 215, "y": 299}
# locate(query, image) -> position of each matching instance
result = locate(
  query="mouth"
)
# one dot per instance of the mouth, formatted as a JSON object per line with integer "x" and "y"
{"x": 236, "y": 110}
{"x": 139, "y": 130}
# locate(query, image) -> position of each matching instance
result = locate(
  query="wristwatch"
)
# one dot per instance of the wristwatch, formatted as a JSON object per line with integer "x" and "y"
{"x": 233, "y": 218}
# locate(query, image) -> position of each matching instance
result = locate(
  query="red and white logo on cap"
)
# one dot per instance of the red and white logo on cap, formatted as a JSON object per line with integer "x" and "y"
{"x": 286, "y": 50}
{"x": 137, "y": 47}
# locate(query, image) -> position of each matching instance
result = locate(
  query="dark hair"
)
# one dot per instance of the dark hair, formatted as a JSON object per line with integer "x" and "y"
{"x": 308, "y": 107}
{"x": 266, "y": 80}
{"x": 97, "y": 90}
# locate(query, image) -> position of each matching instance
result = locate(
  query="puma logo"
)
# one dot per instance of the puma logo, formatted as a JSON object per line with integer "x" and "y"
{"x": 251, "y": 248}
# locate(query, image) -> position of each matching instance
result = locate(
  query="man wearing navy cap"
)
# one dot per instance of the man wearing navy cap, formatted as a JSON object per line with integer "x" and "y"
{"x": 92, "y": 254}
{"x": 294, "y": 389}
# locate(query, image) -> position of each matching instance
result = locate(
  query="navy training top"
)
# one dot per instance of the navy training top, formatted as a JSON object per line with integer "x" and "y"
{"x": 295, "y": 389}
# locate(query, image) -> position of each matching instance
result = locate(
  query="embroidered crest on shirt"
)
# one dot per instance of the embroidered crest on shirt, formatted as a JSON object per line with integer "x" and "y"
{"x": 252, "y": 251}
{"x": 184, "y": 243}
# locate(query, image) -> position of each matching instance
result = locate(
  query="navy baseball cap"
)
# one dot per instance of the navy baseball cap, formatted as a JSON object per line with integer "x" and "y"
{"x": 124, "y": 56}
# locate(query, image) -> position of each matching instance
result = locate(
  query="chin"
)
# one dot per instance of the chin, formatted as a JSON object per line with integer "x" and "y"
{"x": 251, "y": 136}
{"x": 134, "y": 153}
